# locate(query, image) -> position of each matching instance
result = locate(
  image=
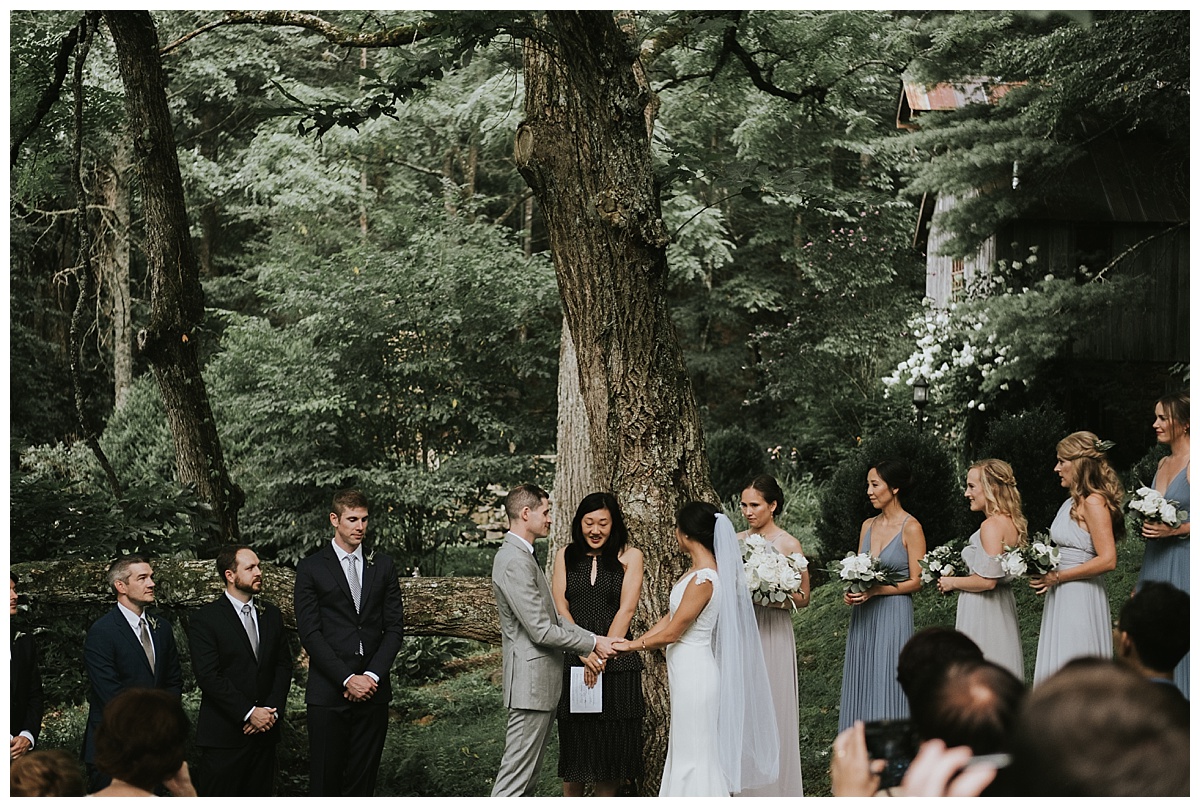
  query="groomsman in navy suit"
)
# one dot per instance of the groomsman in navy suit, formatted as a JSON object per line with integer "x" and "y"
{"x": 127, "y": 647}
{"x": 25, "y": 686}
{"x": 243, "y": 668}
{"x": 351, "y": 621}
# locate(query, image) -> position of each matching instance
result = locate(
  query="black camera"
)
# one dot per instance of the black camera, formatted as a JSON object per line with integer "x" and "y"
{"x": 896, "y": 743}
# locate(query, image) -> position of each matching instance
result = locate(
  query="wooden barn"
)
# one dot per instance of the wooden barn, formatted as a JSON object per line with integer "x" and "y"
{"x": 1123, "y": 205}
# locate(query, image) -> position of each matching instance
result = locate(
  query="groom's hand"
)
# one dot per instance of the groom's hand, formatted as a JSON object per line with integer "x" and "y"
{"x": 604, "y": 647}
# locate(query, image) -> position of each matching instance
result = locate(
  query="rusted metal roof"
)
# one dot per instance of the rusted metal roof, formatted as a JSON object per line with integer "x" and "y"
{"x": 917, "y": 97}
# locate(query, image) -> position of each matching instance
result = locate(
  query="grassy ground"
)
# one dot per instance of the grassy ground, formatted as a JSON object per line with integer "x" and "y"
{"x": 447, "y": 737}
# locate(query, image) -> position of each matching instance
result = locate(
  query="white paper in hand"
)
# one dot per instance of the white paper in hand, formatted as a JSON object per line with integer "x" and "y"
{"x": 583, "y": 698}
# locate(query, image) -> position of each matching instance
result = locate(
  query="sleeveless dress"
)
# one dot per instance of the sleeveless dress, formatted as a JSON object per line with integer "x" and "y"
{"x": 1169, "y": 560}
{"x": 604, "y": 746}
{"x": 779, "y": 652}
{"x": 693, "y": 766}
{"x": 1076, "y": 620}
{"x": 990, "y": 617}
{"x": 878, "y": 629}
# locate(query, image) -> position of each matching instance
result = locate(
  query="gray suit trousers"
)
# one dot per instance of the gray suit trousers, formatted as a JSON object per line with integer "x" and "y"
{"x": 524, "y": 746}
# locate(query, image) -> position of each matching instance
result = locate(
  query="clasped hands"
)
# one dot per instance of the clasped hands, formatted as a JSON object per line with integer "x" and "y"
{"x": 360, "y": 688}
{"x": 261, "y": 720}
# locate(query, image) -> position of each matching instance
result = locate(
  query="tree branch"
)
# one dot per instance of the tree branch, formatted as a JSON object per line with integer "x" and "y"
{"x": 1135, "y": 247}
{"x": 50, "y": 95}
{"x": 733, "y": 46}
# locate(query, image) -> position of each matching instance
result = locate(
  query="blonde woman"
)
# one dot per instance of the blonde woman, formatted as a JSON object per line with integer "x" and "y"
{"x": 1076, "y": 620}
{"x": 987, "y": 611}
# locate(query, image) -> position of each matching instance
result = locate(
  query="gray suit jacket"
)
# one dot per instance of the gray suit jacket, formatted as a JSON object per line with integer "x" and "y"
{"x": 534, "y": 638}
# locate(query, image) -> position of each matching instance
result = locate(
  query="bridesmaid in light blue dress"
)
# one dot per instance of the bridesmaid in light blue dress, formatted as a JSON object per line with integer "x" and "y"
{"x": 882, "y": 619}
{"x": 1168, "y": 549}
{"x": 1076, "y": 620}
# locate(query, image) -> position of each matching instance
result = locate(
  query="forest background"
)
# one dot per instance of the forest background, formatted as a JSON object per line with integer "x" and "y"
{"x": 379, "y": 299}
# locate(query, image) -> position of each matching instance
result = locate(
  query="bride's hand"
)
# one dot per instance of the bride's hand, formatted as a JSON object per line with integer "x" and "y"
{"x": 621, "y": 645}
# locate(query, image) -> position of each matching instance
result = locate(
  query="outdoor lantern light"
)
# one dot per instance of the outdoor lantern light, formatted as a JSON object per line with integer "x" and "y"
{"x": 920, "y": 398}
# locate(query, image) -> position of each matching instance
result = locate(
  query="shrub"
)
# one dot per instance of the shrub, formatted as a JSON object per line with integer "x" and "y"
{"x": 734, "y": 456}
{"x": 935, "y": 499}
{"x": 1026, "y": 441}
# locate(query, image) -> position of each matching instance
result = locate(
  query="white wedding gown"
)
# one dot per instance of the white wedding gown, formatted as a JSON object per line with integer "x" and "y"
{"x": 693, "y": 767}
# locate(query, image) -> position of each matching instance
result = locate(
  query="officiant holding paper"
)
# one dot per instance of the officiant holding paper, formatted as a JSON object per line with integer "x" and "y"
{"x": 597, "y": 580}
{"x": 533, "y": 639}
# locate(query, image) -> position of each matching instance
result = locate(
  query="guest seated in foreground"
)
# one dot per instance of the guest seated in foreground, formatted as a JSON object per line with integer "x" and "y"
{"x": 1096, "y": 728}
{"x": 926, "y": 656}
{"x": 1153, "y": 633}
{"x": 46, "y": 773}
{"x": 140, "y": 744}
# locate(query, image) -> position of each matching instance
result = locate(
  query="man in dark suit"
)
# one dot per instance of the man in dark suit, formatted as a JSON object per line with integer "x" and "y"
{"x": 351, "y": 621}
{"x": 127, "y": 647}
{"x": 25, "y": 686}
{"x": 243, "y": 668}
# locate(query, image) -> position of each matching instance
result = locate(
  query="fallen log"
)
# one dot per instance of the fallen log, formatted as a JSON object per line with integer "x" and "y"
{"x": 462, "y": 607}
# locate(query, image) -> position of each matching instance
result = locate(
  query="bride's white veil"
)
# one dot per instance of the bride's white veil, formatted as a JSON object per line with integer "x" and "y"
{"x": 748, "y": 739}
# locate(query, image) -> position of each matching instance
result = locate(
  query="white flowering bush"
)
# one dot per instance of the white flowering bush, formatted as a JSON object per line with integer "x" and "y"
{"x": 1001, "y": 335}
{"x": 771, "y": 576}
{"x": 1148, "y": 504}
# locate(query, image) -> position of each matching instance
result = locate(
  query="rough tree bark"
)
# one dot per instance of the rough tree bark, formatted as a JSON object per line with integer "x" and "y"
{"x": 573, "y": 472}
{"x": 584, "y": 149}
{"x": 112, "y": 253}
{"x": 433, "y": 606}
{"x": 176, "y": 298}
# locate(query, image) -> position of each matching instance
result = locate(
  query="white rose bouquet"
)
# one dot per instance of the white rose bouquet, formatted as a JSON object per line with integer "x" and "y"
{"x": 1013, "y": 563}
{"x": 859, "y": 572}
{"x": 942, "y": 561}
{"x": 771, "y": 576}
{"x": 1150, "y": 505}
{"x": 1040, "y": 556}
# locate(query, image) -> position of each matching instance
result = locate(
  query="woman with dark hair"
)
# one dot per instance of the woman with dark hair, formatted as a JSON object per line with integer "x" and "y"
{"x": 723, "y": 737}
{"x": 1076, "y": 620}
{"x": 140, "y": 744}
{"x": 882, "y": 619}
{"x": 1168, "y": 552}
{"x": 762, "y": 502}
{"x": 596, "y": 584}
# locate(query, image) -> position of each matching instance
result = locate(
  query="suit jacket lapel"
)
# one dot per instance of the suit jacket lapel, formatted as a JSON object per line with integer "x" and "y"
{"x": 237, "y": 626}
{"x": 128, "y": 635}
{"x": 338, "y": 570}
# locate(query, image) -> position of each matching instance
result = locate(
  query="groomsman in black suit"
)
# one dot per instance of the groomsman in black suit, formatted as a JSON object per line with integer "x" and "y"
{"x": 25, "y": 688}
{"x": 127, "y": 647}
{"x": 351, "y": 621}
{"x": 243, "y": 668}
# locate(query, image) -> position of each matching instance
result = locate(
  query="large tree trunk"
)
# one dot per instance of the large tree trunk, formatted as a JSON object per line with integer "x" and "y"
{"x": 433, "y": 606}
{"x": 112, "y": 253}
{"x": 584, "y": 148}
{"x": 573, "y": 472}
{"x": 176, "y": 298}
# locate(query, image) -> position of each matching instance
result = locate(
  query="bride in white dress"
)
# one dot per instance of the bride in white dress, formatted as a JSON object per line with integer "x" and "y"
{"x": 723, "y": 736}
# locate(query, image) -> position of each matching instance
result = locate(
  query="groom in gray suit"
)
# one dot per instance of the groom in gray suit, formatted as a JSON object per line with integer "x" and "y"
{"x": 534, "y": 639}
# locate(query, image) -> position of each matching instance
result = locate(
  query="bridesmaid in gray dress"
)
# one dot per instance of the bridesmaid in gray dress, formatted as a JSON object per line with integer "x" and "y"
{"x": 987, "y": 611}
{"x": 762, "y": 502}
{"x": 1076, "y": 620}
{"x": 1168, "y": 549}
{"x": 882, "y": 619}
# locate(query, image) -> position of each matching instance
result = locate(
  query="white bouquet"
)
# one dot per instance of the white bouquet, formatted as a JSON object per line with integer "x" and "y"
{"x": 771, "y": 576}
{"x": 859, "y": 572}
{"x": 1040, "y": 556}
{"x": 1150, "y": 505}
{"x": 1013, "y": 563}
{"x": 941, "y": 561}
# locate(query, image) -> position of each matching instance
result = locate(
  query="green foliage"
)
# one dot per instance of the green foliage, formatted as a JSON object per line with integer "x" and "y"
{"x": 935, "y": 499}
{"x": 1026, "y": 441}
{"x": 77, "y": 516}
{"x": 423, "y": 659}
{"x": 734, "y": 456}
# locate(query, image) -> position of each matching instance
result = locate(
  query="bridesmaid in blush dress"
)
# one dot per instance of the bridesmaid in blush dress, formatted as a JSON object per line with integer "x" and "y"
{"x": 882, "y": 619}
{"x": 987, "y": 611}
{"x": 1168, "y": 549}
{"x": 762, "y": 503}
{"x": 1076, "y": 620}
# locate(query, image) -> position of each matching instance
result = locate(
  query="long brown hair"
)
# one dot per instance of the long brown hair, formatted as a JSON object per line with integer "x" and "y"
{"x": 1093, "y": 474}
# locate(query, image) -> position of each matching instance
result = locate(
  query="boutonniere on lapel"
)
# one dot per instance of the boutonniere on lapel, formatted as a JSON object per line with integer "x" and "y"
{"x": 259, "y": 607}
{"x": 152, "y": 622}
{"x": 368, "y": 559}
{"x": 17, "y": 635}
